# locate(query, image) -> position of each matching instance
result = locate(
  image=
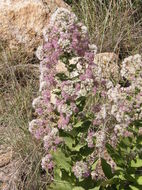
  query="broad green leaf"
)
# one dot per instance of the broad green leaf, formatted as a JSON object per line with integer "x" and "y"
{"x": 106, "y": 169}
{"x": 69, "y": 141}
{"x": 78, "y": 188}
{"x": 139, "y": 139}
{"x": 133, "y": 187}
{"x": 136, "y": 164}
{"x": 122, "y": 177}
{"x": 79, "y": 124}
{"x": 61, "y": 185}
{"x": 109, "y": 182}
{"x": 78, "y": 147}
{"x": 115, "y": 155}
{"x": 139, "y": 180}
{"x": 95, "y": 188}
{"x": 57, "y": 174}
{"x": 95, "y": 164}
{"x": 62, "y": 161}
{"x": 119, "y": 169}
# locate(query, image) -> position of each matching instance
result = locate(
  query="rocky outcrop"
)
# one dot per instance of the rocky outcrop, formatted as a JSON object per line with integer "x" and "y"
{"x": 22, "y": 21}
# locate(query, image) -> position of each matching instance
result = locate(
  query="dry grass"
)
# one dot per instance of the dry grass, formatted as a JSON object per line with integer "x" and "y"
{"x": 114, "y": 25}
{"x": 19, "y": 85}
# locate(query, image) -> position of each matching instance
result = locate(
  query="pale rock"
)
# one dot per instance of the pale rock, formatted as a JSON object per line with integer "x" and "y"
{"x": 107, "y": 64}
{"x": 22, "y": 21}
{"x": 61, "y": 68}
{"x": 53, "y": 98}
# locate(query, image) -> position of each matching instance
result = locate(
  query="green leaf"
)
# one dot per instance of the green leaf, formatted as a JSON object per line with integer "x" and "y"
{"x": 79, "y": 124}
{"x": 69, "y": 141}
{"x": 95, "y": 164}
{"x": 139, "y": 180}
{"x": 96, "y": 188}
{"x": 139, "y": 140}
{"x": 106, "y": 169}
{"x": 57, "y": 174}
{"x": 115, "y": 155}
{"x": 78, "y": 188}
{"x": 62, "y": 161}
{"x": 133, "y": 187}
{"x": 61, "y": 185}
{"x": 136, "y": 164}
{"x": 78, "y": 147}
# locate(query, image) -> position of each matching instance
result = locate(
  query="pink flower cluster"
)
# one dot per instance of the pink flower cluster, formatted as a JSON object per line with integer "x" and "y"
{"x": 67, "y": 74}
{"x": 81, "y": 170}
{"x": 64, "y": 38}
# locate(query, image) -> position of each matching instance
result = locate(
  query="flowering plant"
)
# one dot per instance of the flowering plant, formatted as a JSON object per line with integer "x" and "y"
{"x": 79, "y": 109}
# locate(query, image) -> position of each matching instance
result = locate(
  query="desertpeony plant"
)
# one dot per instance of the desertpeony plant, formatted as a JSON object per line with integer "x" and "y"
{"x": 78, "y": 110}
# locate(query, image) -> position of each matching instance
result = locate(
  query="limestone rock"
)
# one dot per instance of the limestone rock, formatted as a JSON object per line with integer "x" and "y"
{"x": 108, "y": 63}
{"x": 22, "y": 21}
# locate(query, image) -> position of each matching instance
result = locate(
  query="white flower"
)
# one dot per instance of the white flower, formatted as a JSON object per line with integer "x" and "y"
{"x": 54, "y": 131}
{"x": 43, "y": 86}
{"x": 40, "y": 53}
{"x": 34, "y": 123}
{"x": 93, "y": 48}
{"x": 63, "y": 18}
{"x": 74, "y": 74}
{"x": 50, "y": 135}
{"x": 46, "y": 138}
{"x": 64, "y": 108}
{"x": 74, "y": 60}
{"x": 79, "y": 66}
{"x": 119, "y": 116}
{"x": 82, "y": 92}
{"x": 53, "y": 98}
{"x": 114, "y": 109}
{"x": 109, "y": 84}
{"x": 84, "y": 29}
{"x": 131, "y": 67}
{"x": 117, "y": 128}
{"x": 103, "y": 111}
{"x": 37, "y": 101}
{"x": 69, "y": 89}
{"x": 114, "y": 93}
{"x": 65, "y": 44}
{"x": 100, "y": 139}
{"x": 45, "y": 35}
